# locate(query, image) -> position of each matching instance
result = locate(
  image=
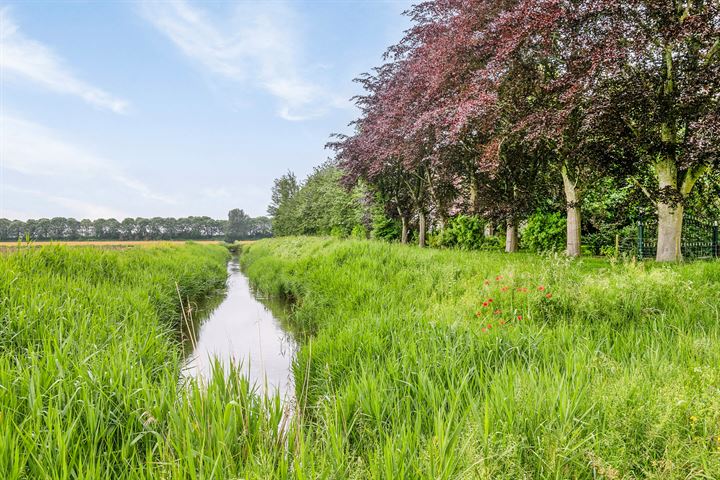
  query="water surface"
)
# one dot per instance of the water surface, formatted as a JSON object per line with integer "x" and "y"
{"x": 241, "y": 327}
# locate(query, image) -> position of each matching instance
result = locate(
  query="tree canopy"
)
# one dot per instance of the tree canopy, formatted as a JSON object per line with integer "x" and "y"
{"x": 157, "y": 228}
{"x": 488, "y": 106}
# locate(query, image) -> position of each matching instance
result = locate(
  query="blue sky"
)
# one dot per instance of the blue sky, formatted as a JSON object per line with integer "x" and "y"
{"x": 117, "y": 109}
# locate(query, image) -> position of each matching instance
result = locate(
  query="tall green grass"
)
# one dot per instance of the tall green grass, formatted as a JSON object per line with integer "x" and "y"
{"x": 90, "y": 367}
{"x": 615, "y": 375}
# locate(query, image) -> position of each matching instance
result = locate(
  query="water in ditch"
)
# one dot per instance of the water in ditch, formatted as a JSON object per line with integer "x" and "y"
{"x": 240, "y": 326}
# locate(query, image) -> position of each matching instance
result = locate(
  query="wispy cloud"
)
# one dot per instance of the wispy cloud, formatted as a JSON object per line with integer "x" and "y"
{"x": 34, "y": 150}
{"x": 259, "y": 47}
{"x": 28, "y": 59}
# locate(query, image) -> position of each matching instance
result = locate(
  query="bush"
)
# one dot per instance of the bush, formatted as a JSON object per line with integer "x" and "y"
{"x": 545, "y": 232}
{"x": 338, "y": 232}
{"x": 359, "y": 232}
{"x": 385, "y": 228}
{"x": 464, "y": 232}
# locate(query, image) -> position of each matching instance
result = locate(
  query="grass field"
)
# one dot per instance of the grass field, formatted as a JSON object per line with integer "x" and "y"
{"x": 90, "y": 367}
{"x": 103, "y": 243}
{"x": 583, "y": 369}
{"x": 444, "y": 364}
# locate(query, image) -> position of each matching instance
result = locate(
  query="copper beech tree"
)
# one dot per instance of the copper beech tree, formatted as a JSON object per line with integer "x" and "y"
{"x": 479, "y": 90}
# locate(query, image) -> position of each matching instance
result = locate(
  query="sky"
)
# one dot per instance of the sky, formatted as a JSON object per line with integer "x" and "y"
{"x": 175, "y": 108}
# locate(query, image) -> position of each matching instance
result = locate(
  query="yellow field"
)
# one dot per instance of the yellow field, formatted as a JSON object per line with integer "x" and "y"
{"x": 104, "y": 243}
{"x": 111, "y": 244}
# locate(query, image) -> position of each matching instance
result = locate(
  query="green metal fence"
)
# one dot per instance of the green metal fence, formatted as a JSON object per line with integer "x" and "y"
{"x": 700, "y": 239}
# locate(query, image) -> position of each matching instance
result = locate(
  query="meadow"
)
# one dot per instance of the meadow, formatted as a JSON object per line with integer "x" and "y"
{"x": 415, "y": 364}
{"x": 90, "y": 365}
{"x": 447, "y": 364}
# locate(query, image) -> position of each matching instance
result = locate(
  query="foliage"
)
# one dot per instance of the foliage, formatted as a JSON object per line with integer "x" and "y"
{"x": 544, "y": 232}
{"x": 359, "y": 232}
{"x": 485, "y": 106}
{"x": 321, "y": 206}
{"x": 403, "y": 377}
{"x": 384, "y": 227}
{"x": 241, "y": 226}
{"x": 156, "y": 228}
{"x": 463, "y": 232}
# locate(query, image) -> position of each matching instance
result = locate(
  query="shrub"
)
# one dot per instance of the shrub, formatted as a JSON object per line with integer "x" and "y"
{"x": 464, "y": 232}
{"x": 545, "y": 232}
{"x": 359, "y": 232}
{"x": 338, "y": 232}
{"x": 385, "y": 228}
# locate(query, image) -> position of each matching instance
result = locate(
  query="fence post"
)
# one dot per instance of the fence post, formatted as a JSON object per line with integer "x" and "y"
{"x": 641, "y": 228}
{"x": 715, "y": 241}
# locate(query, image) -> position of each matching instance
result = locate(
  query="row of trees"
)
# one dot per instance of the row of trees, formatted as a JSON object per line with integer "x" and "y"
{"x": 320, "y": 205}
{"x": 239, "y": 226}
{"x": 490, "y": 107}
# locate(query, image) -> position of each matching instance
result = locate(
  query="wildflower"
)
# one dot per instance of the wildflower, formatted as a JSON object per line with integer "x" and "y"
{"x": 502, "y": 322}
{"x": 498, "y": 278}
{"x": 487, "y": 282}
{"x": 541, "y": 288}
{"x": 489, "y": 300}
{"x": 519, "y": 317}
{"x": 693, "y": 419}
{"x": 522, "y": 290}
{"x": 489, "y": 326}
{"x": 477, "y": 314}
{"x": 549, "y": 295}
{"x": 484, "y": 329}
{"x": 485, "y": 304}
{"x": 505, "y": 288}
{"x": 497, "y": 312}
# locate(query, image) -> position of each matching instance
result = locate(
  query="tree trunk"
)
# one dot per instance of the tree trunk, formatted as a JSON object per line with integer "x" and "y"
{"x": 489, "y": 230}
{"x": 404, "y": 235}
{"x": 670, "y": 214}
{"x": 442, "y": 220}
{"x": 511, "y": 236}
{"x": 670, "y": 220}
{"x": 473, "y": 195}
{"x": 671, "y": 208}
{"x": 572, "y": 201}
{"x": 421, "y": 229}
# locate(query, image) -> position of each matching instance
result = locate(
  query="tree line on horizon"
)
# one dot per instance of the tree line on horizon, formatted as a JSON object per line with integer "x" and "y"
{"x": 238, "y": 226}
{"x": 503, "y": 110}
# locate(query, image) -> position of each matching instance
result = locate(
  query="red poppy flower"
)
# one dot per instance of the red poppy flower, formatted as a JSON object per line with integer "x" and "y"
{"x": 519, "y": 317}
{"x": 549, "y": 295}
{"x": 541, "y": 288}
{"x": 489, "y": 326}
{"x": 497, "y": 312}
{"x": 489, "y": 300}
{"x": 498, "y": 278}
{"x": 502, "y": 322}
{"x": 504, "y": 289}
{"x": 485, "y": 304}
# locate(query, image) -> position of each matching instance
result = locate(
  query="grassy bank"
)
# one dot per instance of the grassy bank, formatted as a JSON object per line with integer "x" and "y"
{"x": 90, "y": 367}
{"x": 444, "y": 364}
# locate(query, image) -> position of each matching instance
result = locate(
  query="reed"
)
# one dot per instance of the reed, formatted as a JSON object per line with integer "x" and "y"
{"x": 447, "y": 364}
{"x": 575, "y": 369}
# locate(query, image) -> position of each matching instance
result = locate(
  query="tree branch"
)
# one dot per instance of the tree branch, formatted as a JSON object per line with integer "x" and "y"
{"x": 644, "y": 190}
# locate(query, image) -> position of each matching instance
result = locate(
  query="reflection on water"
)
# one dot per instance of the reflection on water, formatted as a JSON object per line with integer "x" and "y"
{"x": 240, "y": 327}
